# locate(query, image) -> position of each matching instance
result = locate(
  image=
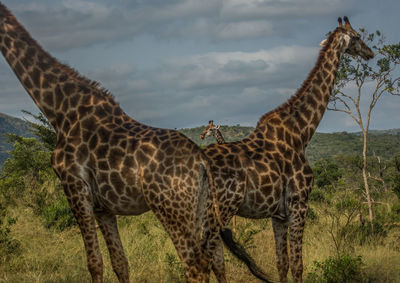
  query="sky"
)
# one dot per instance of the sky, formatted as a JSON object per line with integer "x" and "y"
{"x": 181, "y": 63}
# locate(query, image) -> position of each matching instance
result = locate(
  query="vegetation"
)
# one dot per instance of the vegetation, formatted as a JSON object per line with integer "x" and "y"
{"x": 12, "y": 125}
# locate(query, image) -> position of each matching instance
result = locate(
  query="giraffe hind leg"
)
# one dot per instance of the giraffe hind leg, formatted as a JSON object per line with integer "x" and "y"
{"x": 280, "y": 232}
{"x": 218, "y": 264}
{"x": 108, "y": 226}
{"x": 296, "y": 242}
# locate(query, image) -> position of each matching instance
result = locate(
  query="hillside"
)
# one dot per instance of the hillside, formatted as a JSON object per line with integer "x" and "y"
{"x": 12, "y": 125}
{"x": 385, "y": 143}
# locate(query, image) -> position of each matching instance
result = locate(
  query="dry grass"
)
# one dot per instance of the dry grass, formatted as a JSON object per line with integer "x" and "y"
{"x": 49, "y": 256}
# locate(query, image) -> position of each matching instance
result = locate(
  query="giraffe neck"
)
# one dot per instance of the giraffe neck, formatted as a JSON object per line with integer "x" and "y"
{"x": 56, "y": 89}
{"x": 218, "y": 136}
{"x": 295, "y": 121}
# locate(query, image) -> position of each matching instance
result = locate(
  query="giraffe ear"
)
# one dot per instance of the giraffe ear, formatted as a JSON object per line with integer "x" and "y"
{"x": 323, "y": 42}
{"x": 217, "y": 127}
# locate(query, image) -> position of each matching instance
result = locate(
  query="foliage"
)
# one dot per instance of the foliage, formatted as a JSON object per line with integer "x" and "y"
{"x": 57, "y": 214}
{"x": 43, "y": 130}
{"x": 174, "y": 268}
{"x": 8, "y": 245}
{"x": 27, "y": 170}
{"x": 342, "y": 269}
{"x": 28, "y": 178}
{"x": 318, "y": 195}
{"x": 326, "y": 173}
{"x": 12, "y": 125}
{"x": 245, "y": 235}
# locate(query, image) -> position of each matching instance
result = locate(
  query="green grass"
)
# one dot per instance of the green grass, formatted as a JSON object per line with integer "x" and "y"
{"x": 54, "y": 256}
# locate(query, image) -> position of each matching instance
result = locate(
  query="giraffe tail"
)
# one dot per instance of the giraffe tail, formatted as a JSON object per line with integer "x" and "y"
{"x": 242, "y": 255}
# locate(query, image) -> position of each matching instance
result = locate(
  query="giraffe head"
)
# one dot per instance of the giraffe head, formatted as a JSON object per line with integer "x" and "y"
{"x": 352, "y": 43}
{"x": 210, "y": 130}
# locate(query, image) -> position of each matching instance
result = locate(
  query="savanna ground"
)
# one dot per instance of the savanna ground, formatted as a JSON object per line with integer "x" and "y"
{"x": 49, "y": 255}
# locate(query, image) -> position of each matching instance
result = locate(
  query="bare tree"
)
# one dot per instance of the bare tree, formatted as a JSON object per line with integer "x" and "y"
{"x": 372, "y": 79}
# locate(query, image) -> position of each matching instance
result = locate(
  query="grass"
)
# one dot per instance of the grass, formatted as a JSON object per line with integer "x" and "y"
{"x": 51, "y": 256}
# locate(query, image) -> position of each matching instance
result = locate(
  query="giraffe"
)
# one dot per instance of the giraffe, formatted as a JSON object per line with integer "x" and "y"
{"x": 214, "y": 131}
{"x": 267, "y": 174}
{"x": 110, "y": 164}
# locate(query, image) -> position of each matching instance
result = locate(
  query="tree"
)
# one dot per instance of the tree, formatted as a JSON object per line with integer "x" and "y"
{"x": 326, "y": 173}
{"x": 376, "y": 77}
{"x": 43, "y": 130}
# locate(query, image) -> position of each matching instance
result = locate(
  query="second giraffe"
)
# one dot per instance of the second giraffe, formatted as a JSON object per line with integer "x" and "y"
{"x": 267, "y": 174}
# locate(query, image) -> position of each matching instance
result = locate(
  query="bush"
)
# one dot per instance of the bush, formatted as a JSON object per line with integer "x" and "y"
{"x": 311, "y": 214}
{"x": 344, "y": 268}
{"x": 8, "y": 245}
{"x": 58, "y": 215}
{"x": 318, "y": 195}
{"x": 245, "y": 235}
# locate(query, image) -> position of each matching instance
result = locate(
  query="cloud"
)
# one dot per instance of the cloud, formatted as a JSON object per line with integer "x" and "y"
{"x": 62, "y": 25}
{"x": 217, "y": 84}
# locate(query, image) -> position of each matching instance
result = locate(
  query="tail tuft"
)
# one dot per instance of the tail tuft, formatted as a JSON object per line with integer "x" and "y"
{"x": 242, "y": 255}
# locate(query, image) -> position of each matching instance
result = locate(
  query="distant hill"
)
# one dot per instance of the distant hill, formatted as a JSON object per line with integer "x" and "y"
{"x": 385, "y": 143}
{"x": 9, "y": 124}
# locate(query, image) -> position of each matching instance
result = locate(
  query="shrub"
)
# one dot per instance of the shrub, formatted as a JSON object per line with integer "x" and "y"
{"x": 245, "y": 235}
{"x": 8, "y": 245}
{"x": 343, "y": 269}
{"x": 318, "y": 195}
{"x": 311, "y": 214}
{"x": 58, "y": 215}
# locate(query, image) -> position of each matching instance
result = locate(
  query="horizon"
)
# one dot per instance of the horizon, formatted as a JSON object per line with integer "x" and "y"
{"x": 237, "y": 125}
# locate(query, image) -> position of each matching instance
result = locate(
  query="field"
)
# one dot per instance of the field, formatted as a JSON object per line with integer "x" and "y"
{"x": 51, "y": 256}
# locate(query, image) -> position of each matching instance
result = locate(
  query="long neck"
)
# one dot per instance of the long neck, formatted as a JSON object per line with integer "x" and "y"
{"x": 55, "y": 88}
{"x": 296, "y": 120}
{"x": 218, "y": 136}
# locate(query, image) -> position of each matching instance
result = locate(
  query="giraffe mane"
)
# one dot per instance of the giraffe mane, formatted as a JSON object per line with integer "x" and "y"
{"x": 66, "y": 69}
{"x": 290, "y": 103}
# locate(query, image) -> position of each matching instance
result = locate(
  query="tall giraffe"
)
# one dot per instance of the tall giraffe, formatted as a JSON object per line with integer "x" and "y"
{"x": 110, "y": 164}
{"x": 267, "y": 174}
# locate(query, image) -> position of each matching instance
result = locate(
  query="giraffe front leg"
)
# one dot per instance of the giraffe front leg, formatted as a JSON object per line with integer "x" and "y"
{"x": 297, "y": 223}
{"x": 82, "y": 208}
{"x": 109, "y": 228}
{"x": 282, "y": 260}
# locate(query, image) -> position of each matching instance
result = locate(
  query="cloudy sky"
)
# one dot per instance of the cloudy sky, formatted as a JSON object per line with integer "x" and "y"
{"x": 180, "y": 63}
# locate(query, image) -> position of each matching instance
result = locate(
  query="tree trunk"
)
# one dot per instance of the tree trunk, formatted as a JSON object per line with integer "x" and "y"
{"x": 365, "y": 178}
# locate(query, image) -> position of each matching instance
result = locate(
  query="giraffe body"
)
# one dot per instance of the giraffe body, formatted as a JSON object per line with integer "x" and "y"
{"x": 110, "y": 164}
{"x": 267, "y": 174}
